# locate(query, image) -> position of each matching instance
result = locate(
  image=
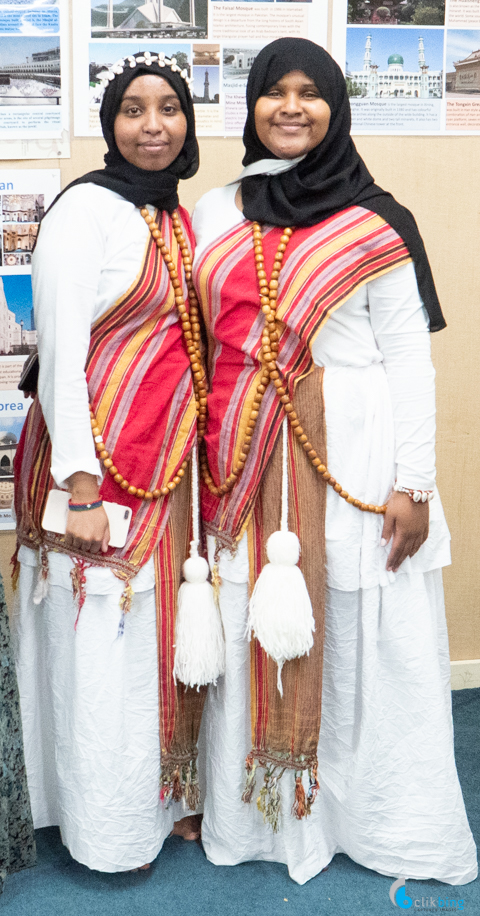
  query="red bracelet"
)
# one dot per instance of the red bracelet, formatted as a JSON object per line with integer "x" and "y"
{"x": 84, "y": 507}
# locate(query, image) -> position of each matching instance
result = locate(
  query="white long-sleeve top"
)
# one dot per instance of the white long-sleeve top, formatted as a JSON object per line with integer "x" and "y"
{"x": 379, "y": 388}
{"x": 89, "y": 252}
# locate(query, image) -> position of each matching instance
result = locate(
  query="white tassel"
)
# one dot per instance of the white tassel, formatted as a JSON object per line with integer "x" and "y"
{"x": 41, "y": 588}
{"x": 280, "y": 611}
{"x": 199, "y": 639}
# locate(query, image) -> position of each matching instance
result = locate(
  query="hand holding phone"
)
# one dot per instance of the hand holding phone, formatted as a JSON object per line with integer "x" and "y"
{"x": 57, "y": 511}
{"x": 88, "y": 531}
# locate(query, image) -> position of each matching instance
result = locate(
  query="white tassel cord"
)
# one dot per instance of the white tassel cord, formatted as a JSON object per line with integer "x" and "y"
{"x": 280, "y": 611}
{"x": 41, "y": 589}
{"x": 199, "y": 639}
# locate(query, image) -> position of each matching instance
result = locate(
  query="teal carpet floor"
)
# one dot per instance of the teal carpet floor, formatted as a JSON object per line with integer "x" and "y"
{"x": 181, "y": 882}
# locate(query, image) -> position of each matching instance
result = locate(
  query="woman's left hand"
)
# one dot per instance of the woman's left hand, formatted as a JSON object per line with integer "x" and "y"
{"x": 407, "y": 523}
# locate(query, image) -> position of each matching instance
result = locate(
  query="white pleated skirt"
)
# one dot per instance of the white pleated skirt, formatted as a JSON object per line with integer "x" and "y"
{"x": 89, "y": 702}
{"x": 389, "y": 791}
{"x": 389, "y": 797}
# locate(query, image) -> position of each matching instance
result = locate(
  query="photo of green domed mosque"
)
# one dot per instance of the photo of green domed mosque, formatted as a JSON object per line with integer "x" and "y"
{"x": 394, "y": 64}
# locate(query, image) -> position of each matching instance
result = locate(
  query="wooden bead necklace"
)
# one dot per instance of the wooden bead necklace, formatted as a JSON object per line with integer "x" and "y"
{"x": 270, "y": 337}
{"x": 191, "y": 334}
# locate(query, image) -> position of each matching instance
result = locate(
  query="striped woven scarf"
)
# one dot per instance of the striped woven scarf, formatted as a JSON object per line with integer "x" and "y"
{"x": 324, "y": 265}
{"x": 141, "y": 392}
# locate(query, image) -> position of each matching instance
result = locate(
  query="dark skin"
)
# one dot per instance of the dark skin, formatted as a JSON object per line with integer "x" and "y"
{"x": 407, "y": 522}
{"x": 295, "y": 98}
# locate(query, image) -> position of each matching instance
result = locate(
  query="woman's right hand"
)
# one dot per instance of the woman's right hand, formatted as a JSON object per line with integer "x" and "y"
{"x": 88, "y": 529}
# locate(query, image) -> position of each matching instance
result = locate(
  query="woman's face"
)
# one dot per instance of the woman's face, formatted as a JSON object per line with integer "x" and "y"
{"x": 150, "y": 127}
{"x": 292, "y": 118}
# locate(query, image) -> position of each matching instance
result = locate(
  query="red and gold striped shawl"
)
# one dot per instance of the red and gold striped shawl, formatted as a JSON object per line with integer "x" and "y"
{"x": 323, "y": 267}
{"x": 141, "y": 391}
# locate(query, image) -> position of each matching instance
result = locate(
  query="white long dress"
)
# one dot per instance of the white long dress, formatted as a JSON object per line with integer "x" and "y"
{"x": 89, "y": 699}
{"x": 390, "y": 796}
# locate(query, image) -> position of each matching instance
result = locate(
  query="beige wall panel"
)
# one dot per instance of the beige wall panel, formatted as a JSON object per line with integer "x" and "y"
{"x": 439, "y": 179}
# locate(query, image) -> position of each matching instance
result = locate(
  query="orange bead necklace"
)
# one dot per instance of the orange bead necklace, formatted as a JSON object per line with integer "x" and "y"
{"x": 268, "y": 290}
{"x": 191, "y": 334}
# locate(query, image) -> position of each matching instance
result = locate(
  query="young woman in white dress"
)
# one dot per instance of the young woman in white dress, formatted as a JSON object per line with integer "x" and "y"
{"x": 378, "y": 780}
{"x": 105, "y": 735}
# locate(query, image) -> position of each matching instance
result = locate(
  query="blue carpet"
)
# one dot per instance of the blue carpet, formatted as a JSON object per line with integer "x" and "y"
{"x": 182, "y": 882}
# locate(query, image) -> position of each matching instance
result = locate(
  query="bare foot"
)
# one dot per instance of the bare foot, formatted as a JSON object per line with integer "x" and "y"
{"x": 141, "y": 867}
{"x": 189, "y": 827}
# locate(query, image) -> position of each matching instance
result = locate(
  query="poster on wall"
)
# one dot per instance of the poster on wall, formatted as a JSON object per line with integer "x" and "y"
{"x": 24, "y": 197}
{"x": 412, "y": 67}
{"x": 33, "y": 76}
{"x": 216, "y": 42}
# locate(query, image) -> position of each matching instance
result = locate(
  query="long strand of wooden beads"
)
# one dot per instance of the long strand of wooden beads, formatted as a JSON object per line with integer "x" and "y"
{"x": 240, "y": 463}
{"x": 190, "y": 323}
{"x": 108, "y": 464}
{"x": 269, "y": 343}
{"x": 191, "y": 333}
{"x": 268, "y": 301}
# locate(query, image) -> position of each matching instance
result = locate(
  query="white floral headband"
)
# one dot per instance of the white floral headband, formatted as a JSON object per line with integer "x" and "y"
{"x": 106, "y": 76}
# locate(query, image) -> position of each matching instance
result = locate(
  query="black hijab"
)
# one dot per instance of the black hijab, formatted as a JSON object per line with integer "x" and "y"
{"x": 332, "y": 176}
{"x": 141, "y": 186}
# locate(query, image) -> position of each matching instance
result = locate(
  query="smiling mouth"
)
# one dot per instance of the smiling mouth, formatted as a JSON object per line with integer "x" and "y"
{"x": 153, "y": 147}
{"x": 291, "y": 127}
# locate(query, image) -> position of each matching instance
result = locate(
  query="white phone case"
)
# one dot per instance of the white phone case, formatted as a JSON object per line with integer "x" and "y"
{"x": 56, "y": 513}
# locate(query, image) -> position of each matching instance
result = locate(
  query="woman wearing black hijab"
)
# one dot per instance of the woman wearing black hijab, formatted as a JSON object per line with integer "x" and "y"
{"x": 115, "y": 420}
{"x": 318, "y": 299}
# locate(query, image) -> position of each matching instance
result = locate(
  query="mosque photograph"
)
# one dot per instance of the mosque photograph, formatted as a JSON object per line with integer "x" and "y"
{"x": 237, "y": 62}
{"x": 395, "y": 63}
{"x": 18, "y": 334}
{"x": 206, "y": 55}
{"x": 206, "y": 88}
{"x": 151, "y": 19}
{"x": 10, "y": 433}
{"x": 463, "y": 63}
{"x": 23, "y": 208}
{"x": 392, "y": 12}
{"x": 29, "y": 71}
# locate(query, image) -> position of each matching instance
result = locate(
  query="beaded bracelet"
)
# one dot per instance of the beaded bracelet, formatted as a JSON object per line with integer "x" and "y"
{"x": 84, "y": 507}
{"x": 418, "y": 496}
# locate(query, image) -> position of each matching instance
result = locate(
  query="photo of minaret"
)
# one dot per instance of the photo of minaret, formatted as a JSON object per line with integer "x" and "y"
{"x": 206, "y": 82}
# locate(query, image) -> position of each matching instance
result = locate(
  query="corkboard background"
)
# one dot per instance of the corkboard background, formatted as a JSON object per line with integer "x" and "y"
{"x": 439, "y": 179}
